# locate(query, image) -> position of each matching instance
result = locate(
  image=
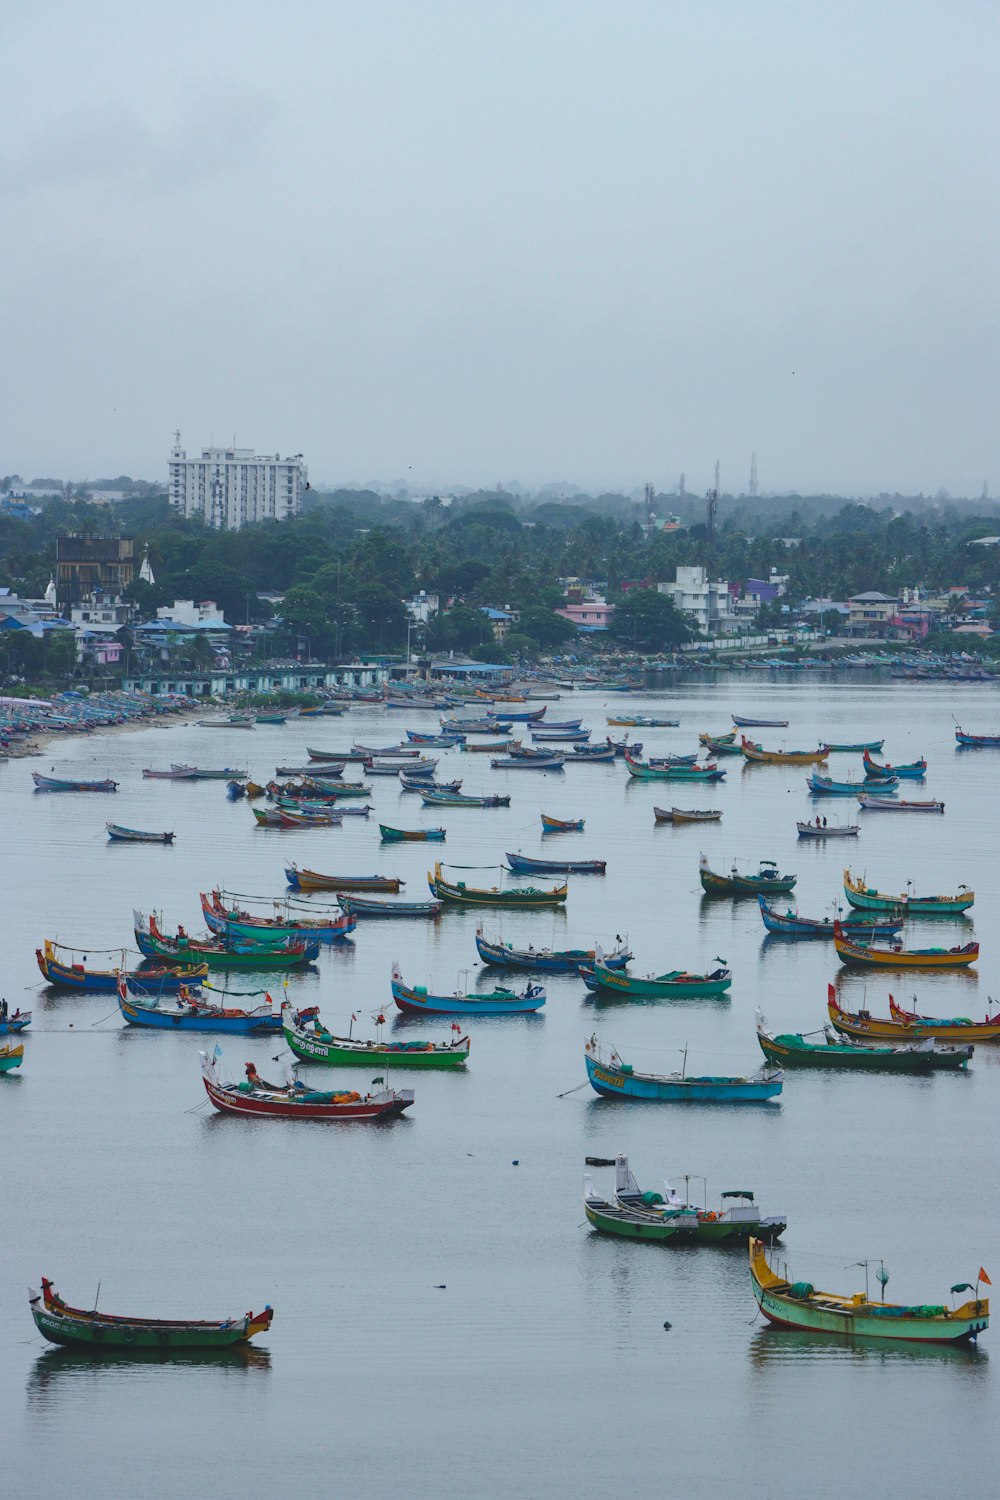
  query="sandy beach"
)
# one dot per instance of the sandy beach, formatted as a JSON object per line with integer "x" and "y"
{"x": 42, "y": 743}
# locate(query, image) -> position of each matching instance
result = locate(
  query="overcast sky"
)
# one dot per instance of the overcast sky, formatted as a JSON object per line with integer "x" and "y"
{"x": 540, "y": 240}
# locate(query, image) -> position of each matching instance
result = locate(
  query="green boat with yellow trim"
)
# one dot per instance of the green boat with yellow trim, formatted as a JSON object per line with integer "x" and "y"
{"x": 89, "y": 1329}
{"x": 519, "y": 897}
{"x": 309, "y": 1039}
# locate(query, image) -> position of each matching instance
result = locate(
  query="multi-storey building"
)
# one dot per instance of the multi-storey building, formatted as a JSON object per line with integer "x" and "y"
{"x": 92, "y": 567}
{"x": 708, "y": 601}
{"x": 230, "y": 487}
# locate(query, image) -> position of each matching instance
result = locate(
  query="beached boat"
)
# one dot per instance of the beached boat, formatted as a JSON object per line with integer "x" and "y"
{"x": 232, "y": 922}
{"x": 518, "y": 897}
{"x": 856, "y": 749}
{"x": 867, "y": 898}
{"x": 977, "y": 741}
{"x": 89, "y": 1329}
{"x": 294, "y": 1101}
{"x": 161, "y": 978}
{"x": 615, "y": 1079}
{"x": 853, "y": 951}
{"x": 11, "y": 1056}
{"x": 678, "y": 984}
{"x": 496, "y": 1002}
{"x": 312, "y": 880}
{"x": 798, "y": 1305}
{"x": 642, "y": 771}
{"x": 790, "y": 924}
{"x": 411, "y": 835}
{"x": 825, "y": 786}
{"x": 756, "y": 754}
{"x": 915, "y": 771}
{"x": 309, "y": 1039}
{"x": 191, "y": 1014}
{"x": 521, "y": 864}
{"x": 909, "y": 1026}
{"x": 559, "y": 825}
{"x": 794, "y": 1050}
{"x": 636, "y": 1215}
{"x": 766, "y": 882}
{"x": 60, "y": 784}
{"x": 119, "y": 835}
{"x": 744, "y": 723}
{"x": 235, "y": 721}
{"x": 546, "y": 960}
{"x": 887, "y": 804}
{"x": 686, "y": 815}
{"x": 13, "y": 1022}
{"x": 226, "y": 953}
{"x": 364, "y": 906}
{"x": 460, "y": 799}
{"x": 827, "y": 830}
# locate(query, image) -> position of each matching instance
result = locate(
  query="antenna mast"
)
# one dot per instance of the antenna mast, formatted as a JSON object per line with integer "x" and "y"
{"x": 713, "y": 505}
{"x": 649, "y": 498}
{"x": 753, "y": 490}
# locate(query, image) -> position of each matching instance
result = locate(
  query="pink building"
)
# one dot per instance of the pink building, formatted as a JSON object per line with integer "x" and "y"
{"x": 590, "y": 614}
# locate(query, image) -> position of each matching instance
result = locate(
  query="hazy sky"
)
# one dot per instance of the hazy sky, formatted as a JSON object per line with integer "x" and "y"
{"x": 539, "y": 240}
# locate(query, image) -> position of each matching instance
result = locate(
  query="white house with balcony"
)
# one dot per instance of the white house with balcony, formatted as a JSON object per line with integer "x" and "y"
{"x": 707, "y": 601}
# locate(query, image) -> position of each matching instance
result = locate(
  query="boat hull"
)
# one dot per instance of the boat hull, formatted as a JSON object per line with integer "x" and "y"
{"x": 687, "y": 987}
{"x": 613, "y": 1083}
{"x": 418, "y": 1002}
{"x": 136, "y": 1337}
{"x": 340, "y": 1053}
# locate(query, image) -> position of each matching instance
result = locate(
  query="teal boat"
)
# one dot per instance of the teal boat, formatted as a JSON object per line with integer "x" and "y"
{"x": 615, "y": 1079}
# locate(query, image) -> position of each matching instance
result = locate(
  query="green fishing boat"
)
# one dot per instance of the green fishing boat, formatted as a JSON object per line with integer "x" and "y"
{"x": 309, "y": 1039}
{"x": 793, "y": 1050}
{"x": 634, "y": 1215}
{"x": 678, "y": 984}
{"x": 269, "y": 955}
{"x": 97, "y": 1331}
{"x": 520, "y": 897}
{"x": 865, "y": 898}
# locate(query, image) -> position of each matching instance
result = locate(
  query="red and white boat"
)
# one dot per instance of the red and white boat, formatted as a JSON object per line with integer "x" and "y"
{"x": 296, "y": 1102}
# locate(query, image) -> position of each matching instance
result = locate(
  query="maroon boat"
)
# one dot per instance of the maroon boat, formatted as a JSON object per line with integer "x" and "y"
{"x": 296, "y": 1102}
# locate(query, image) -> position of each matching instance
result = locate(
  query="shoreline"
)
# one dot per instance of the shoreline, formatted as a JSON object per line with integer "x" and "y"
{"x": 42, "y": 743}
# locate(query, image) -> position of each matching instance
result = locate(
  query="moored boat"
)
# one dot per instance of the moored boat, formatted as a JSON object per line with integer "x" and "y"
{"x": 460, "y": 799}
{"x": 790, "y": 924}
{"x": 687, "y": 815}
{"x": 615, "y": 1079}
{"x": 856, "y": 749}
{"x": 311, "y": 880}
{"x": 767, "y": 881}
{"x": 62, "y": 784}
{"x": 410, "y": 835}
{"x": 295, "y": 1101}
{"x": 364, "y": 906}
{"x": 794, "y": 1050}
{"x": 309, "y": 1039}
{"x": 852, "y": 951}
{"x": 643, "y": 721}
{"x": 163, "y": 977}
{"x": 232, "y": 922}
{"x": 89, "y": 1329}
{"x": 496, "y": 1002}
{"x": 867, "y": 898}
{"x": 976, "y": 741}
{"x": 528, "y": 763}
{"x": 915, "y": 771}
{"x": 827, "y": 830}
{"x": 744, "y": 723}
{"x": 119, "y": 835}
{"x": 12, "y": 1022}
{"x": 224, "y": 953}
{"x": 825, "y": 786}
{"x": 678, "y": 984}
{"x": 521, "y": 864}
{"x": 11, "y": 1056}
{"x": 546, "y": 960}
{"x": 191, "y": 1014}
{"x": 634, "y": 1214}
{"x": 176, "y": 773}
{"x": 756, "y": 754}
{"x": 908, "y": 1026}
{"x": 559, "y": 825}
{"x": 519, "y": 897}
{"x": 643, "y": 771}
{"x": 887, "y": 804}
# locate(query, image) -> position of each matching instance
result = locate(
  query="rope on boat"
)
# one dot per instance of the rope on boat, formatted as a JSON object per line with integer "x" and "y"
{"x": 583, "y": 1085}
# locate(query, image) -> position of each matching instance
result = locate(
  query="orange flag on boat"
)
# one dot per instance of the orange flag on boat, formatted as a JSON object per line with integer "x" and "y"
{"x": 983, "y": 1277}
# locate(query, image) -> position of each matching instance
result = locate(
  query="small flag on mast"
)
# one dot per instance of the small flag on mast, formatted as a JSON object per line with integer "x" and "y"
{"x": 984, "y": 1278}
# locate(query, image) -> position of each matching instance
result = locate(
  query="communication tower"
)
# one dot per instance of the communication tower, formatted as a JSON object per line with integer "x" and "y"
{"x": 713, "y": 504}
{"x": 753, "y": 475}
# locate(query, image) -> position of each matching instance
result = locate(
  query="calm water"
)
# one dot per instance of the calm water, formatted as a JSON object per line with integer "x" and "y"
{"x": 445, "y": 1319}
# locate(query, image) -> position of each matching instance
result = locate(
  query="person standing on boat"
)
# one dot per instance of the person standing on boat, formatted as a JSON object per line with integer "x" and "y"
{"x": 3, "y": 1009}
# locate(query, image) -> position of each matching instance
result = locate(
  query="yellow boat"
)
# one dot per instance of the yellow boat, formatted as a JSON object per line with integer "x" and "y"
{"x": 908, "y": 1026}
{"x": 754, "y": 752}
{"x": 897, "y": 957}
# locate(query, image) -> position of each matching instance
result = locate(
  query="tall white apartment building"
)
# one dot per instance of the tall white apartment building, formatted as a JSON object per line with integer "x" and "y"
{"x": 230, "y": 487}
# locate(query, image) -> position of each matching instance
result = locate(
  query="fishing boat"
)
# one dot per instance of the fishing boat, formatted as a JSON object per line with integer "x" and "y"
{"x": 226, "y": 953}
{"x": 678, "y": 984}
{"x": 235, "y": 721}
{"x": 767, "y": 881}
{"x": 119, "y": 835}
{"x": 757, "y": 755}
{"x": 410, "y": 835}
{"x": 161, "y": 978}
{"x": 433, "y": 741}
{"x": 743, "y": 723}
{"x": 461, "y": 799}
{"x": 546, "y": 960}
{"x": 518, "y": 897}
{"x": 530, "y": 716}
{"x": 89, "y": 1329}
{"x": 853, "y": 951}
{"x": 977, "y": 741}
{"x": 615, "y": 1079}
{"x": 827, "y": 830}
{"x": 497, "y": 1002}
{"x": 686, "y": 815}
{"x": 706, "y": 738}
{"x": 915, "y": 771}
{"x": 364, "y": 906}
{"x": 644, "y": 721}
{"x": 493, "y": 747}
{"x": 908, "y": 1026}
{"x": 673, "y": 760}
{"x": 294, "y": 1101}
{"x": 311, "y": 880}
{"x": 528, "y": 763}
{"x": 474, "y": 726}
{"x": 232, "y": 922}
{"x": 176, "y": 773}
{"x": 281, "y": 817}
{"x": 398, "y": 752}
{"x": 875, "y": 746}
{"x": 520, "y": 864}
{"x": 309, "y": 1039}
{"x": 867, "y": 898}
{"x": 270, "y": 718}
{"x": 190, "y": 1014}
{"x": 59, "y": 784}
{"x": 798, "y": 1305}
{"x": 642, "y": 771}
{"x": 885, "y": 804}
{"x": 825, "y": 786}
{"x": 636, "y": 1215}
{"x": 790, "y": 924}
{"x": 11, "y": 1024}
{"x": 11, "y": 1056}
{"x": 560, "y": 736}
{"x": 721, "y": 747}
{"x": 559, "y": 825}
{"x": 204, "y": 773}
{"x": 793, "y": 1050}
{"x": 600, "y": 754}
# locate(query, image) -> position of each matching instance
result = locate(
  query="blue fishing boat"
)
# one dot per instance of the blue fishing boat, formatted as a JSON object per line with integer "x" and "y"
{"x": 977, "y": 741}
{"x": 825, "y": 786}
{"x": 560, "y": 825}
{"x": 790, "y": 924}
{"x": 856, "y": 748}
{"x": 520, "y": 864}
{"x": 529, "y": 763}
{"x": 545, "y": 960}
{"x": 190, "y": 1014}
{"x": 615, "y": 1079}
{"x": 19, "y": 1021}
{"x": 155, "y": 978}
{"x": 497, "y": 1002}
{"x": 597, "y": 753}
{"x": 59, "y": 784}
{"x": 915, "y": 771}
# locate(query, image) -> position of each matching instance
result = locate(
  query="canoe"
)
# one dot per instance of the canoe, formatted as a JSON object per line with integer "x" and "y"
{"x": 193, "y": 1015}
{"x": 225, "y": 953}
{"x": 10, "y": 1025}
{"x": 977, "y": 741}
{"x": 528, "y": 763}
{"x": 884, "y": 804}
{"x": 856, "y": 749}
{"x": 766, "y": 881}
{"x": 677, "y": 985}
{"x": 793, "y": 1050}
{"x": 89, "y": 1329}
{"x": 119, "y": 835}
{"x": 756, "y": 754}
{"x": 635, "y": 1215}
{"x": 11, "y": 1056}
{"x": 642, "y": 771}
{"x": 799, "y": 1305}
{"x": 545, "y": 960}
{"x": 557, "y": 825}
{"x": 615, "y": 1079}
{"x": 309, "y": 1039}
{"x": 866, "y": 898}
{"x": 524, "y": 897}
{"x": 790, "y": 924}
{"x": 460, "y": 799}
{"x": 364, "y": 906}
{"x": 742, "y": 723}
{"x": 232, "y": 922}
{"x": 311, "y": 880}
{"x": 825, "y": 786}
{"x": 915, "y": 771}
{"x": 296, "y": 1102}
{"x": 850, "y": 951}
{"x": 686, "y": 815}
{"x": 58, "y": 784}
{"x": 521, "y": 864}
{"x": 496, "y": 1002}
{"x": 908, "y": 1026}
{"x": 410, "y": 835}
{"x": 162, "y": 978}
{"x": 828, "y": 830}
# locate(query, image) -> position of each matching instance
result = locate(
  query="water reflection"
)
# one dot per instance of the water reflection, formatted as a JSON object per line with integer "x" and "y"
{"x": 786, "y": 1346}
{"x": 56, "y": 1370}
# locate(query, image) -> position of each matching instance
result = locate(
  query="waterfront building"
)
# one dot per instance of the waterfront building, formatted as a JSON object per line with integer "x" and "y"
{"x": 231, "y": 487}
{"x": 707, "y": 601}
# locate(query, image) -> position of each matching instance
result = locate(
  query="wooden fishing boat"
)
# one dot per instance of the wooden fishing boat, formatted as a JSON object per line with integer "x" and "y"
{"x": 644, "y": 721}
{"x": 202, "y": 773}
{"x": 798, "y": 1305}
{"x": 309, "y": 1039}
{"x": 545, "y": 960}
{"x": 460, "y": 799}
{"x": 721, "y": 747}
{"x": 686, "y": 815}
{"x": 530, "y": 716}
{"x": 826, "y": 830}
{"x": 497, "y": 1002}
{"x": 11, "y": 1056}
{"x": 296, "y": 1102}
{"x": 421, "y": 784}
{"x": 866, "y": 898}
{"x": 119, "y": 835}
{"x": 599, "y": 754}
{"x": 59, "y": 784}
{"x": 236, "y": 721}
{"x": 260, "y": 953}
{"x": 332, "y": 758}
{"x": 231, "y": 922}
{"x": 253, "y": 789}
{"x": 281, "y": 817}
{"x": 766, "y": 882}
{"x": 908, "y": 1026}
{"x": 615, "y": 1079}
{"x": 364, "y": 906}
{"x": 672, "y": 760}
{"x": 474, "y": 726}
{"x": 176, "y": 773}
{"x": 707, "y": 738}
{"x": 528, "y": 763}
{"x": 977, "y": 741}
{"x": 642, "y": 771}
{"x": 190, "y": 1014}
{"x": 163, "y": 977}
{"x": 856, "y": 749}
{"x": 677, "y": 985}
{"x": 11, "y": 1024}
{"x": 560, "y": 736}
{"x": 559, "y": 825}
{"x": 915, "y": 771}
{"x": 757, "y": 755}
{"x": 790, "y": 924}
{"x": 825, "y": 786}
{"x": 521, "y": 864}
{"x": 793, "y": 1050}
{"x": 519, "y": 897}
{"x": 851, "y": 951}
{"x": 311, "y": 880}
{"x": 410, "y": 835}
{"x": 270, "y": 718}
{"x": 492, "y": 747}
{"x": 886, "y": 804}
{"x": 433, "y": 741}
{"x": 398, "y": 752}
{"x": 93, "y": 1330}
{"x": 635, "y": 1215}
{"x": 743, "y": 723}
